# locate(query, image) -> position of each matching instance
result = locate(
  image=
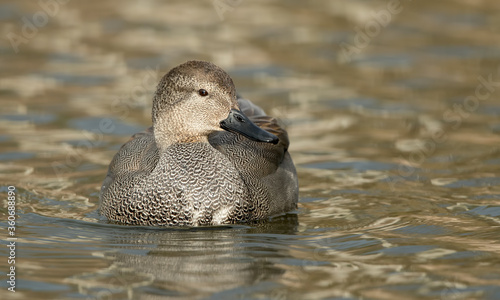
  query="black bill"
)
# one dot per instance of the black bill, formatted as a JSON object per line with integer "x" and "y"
{"x": 237, "y": 122}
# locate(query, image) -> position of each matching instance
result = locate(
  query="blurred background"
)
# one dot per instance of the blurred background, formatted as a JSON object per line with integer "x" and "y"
{"x": 393, "y": 112}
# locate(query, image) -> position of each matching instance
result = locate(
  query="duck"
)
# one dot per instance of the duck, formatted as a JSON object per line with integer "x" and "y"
{"x": 210, "y": 158}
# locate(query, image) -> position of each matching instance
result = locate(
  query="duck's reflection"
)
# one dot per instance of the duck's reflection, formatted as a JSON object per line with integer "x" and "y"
{"x": 191, "y": 263}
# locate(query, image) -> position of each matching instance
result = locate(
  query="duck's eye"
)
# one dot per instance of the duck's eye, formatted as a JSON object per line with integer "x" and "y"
{"x": 203, "y": 92}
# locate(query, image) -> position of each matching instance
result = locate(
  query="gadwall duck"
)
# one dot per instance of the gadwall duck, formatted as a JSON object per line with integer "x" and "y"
{"x": 209, "y": 158}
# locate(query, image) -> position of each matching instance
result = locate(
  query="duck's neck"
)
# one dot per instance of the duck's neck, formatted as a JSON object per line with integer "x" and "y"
{"x": 165, "y": 138}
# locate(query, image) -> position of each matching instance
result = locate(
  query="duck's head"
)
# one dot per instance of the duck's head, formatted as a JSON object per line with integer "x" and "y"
{"x": 195, "y": 99}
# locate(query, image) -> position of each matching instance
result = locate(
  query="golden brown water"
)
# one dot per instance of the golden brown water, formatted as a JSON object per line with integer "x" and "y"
{"x": 393, "y": 113}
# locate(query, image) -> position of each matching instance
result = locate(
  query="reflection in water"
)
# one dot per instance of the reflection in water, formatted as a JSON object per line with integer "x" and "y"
{"x": 397, "y": 148}
{"x": 190, "y": 263}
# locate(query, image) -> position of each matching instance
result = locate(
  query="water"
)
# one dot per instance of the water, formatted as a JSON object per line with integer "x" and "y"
{"x": 393, "y": 116}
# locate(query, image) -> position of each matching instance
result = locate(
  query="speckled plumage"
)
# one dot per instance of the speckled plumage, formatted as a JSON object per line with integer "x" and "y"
{"x": 186, "y": 170}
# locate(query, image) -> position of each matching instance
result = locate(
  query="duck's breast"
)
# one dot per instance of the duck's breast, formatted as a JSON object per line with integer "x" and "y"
{"x": 194, "y": 184}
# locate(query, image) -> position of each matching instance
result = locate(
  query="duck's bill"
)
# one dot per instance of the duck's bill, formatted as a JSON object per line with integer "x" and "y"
{"x": 237, "y": 122}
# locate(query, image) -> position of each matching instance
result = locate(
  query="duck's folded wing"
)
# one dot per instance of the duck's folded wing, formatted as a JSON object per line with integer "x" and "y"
{"x": 138, "y": 155}
{"x": 266, "y": 168}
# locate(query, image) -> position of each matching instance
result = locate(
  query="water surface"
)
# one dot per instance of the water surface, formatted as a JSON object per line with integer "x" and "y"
{"x": 394, "y": 121}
